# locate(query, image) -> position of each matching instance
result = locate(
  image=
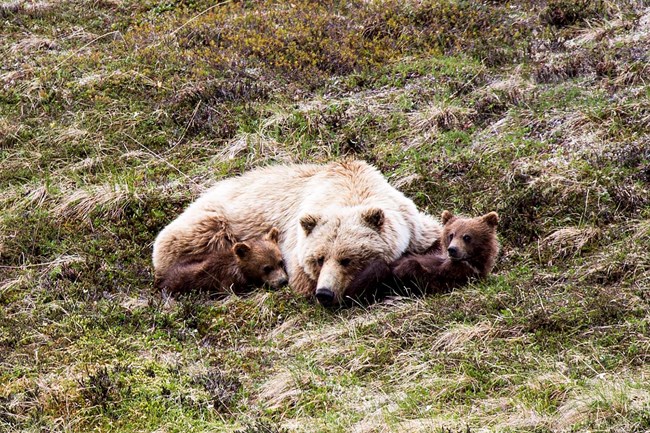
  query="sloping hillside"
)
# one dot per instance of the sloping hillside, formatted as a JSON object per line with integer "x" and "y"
{"x": 115, "y": 114}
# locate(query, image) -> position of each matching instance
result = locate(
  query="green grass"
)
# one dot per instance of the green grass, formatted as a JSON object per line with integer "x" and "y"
{"x": 114, "y": 117}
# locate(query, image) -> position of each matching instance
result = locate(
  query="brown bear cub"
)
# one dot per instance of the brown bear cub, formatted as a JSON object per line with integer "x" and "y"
{"x": 236, "y": 267}
{"x": 467, "y": 249}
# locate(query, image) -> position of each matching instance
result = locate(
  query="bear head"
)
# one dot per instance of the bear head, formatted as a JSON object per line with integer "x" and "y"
{"x": 338, "y": 245}
{"x": 471, "y": 239}
{"x": 260, "y": 260}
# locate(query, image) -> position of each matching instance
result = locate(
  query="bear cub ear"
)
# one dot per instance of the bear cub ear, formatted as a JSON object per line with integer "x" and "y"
{"x": 273, "y": 235}
{"x": 308, "y": 223}
{"x": 241, "y": 249}
{"x": 447, "y": 217}
{"x": 374, "y": 217}
{"x": 491, "y": 219}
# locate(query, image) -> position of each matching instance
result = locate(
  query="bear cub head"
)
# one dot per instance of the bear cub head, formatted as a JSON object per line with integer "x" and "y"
{"x": 472, "y": 240}
{"x": 260, "y": 260}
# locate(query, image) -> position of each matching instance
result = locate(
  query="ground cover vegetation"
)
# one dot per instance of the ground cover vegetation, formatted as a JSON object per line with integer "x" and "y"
{"x": 115, "y": 114}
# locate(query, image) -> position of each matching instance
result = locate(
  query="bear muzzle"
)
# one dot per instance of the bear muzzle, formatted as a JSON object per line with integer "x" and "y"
{"x": 455, "y": 253}
{"x": 325, "y": 296}
{"x": 278, "y": 280}
{"x": 330, "y": 283}
{"x": 276, "y": 284}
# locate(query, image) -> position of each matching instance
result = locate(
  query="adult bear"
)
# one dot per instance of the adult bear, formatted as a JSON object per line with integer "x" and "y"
{"x": 333, "y": 221}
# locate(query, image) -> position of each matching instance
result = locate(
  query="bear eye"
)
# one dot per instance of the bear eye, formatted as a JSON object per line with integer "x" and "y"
{"x": 267, "y": 269}
{"x": 467, "y": 238}
{"x": 451, "y": 236}
{"x": 345, "y": 262}
{"x": 281, "y": 264}
{"x": 321, "y": 260}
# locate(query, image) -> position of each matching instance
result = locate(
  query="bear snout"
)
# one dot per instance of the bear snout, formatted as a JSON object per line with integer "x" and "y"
{"x": 279, "y": 280}
{"x": 325, "y": 296}
{"x": 454, "y": 253}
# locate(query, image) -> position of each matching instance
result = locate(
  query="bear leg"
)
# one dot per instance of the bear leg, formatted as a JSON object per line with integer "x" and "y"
{"x": 372, "y": 282}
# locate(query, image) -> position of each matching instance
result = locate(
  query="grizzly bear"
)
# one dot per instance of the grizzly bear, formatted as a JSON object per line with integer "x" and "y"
{"x": 333, "y": 220}
{"x": 468, "y": 248}
{"x": 253, "y": 263}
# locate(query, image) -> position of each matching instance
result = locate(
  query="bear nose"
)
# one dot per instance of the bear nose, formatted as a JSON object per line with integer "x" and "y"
{"x": 325, "y": 296}
{"x": 282, "y": 282}
{"x": 453, "y": 252}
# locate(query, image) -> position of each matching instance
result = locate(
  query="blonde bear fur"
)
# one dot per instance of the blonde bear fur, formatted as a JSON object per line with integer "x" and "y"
{"x": 333, "y": 220}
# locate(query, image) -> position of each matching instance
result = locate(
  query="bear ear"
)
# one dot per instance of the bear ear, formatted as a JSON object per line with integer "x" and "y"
{"x": 374, "y": 217}
{"x": 308, "y": 222}
{"x": 241, "y": 249}
{"x": 446, "y": 217}
{"x": 273, "y": 235}
{"x": 491, "y": 219}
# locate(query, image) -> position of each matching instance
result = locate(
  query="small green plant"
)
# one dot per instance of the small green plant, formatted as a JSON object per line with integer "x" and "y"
{"x": 100, "y": 388}
{"x": 222, "y": 389}
{"x": 562, "y": 13}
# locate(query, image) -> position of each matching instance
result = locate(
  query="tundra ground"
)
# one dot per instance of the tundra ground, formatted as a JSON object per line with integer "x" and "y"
{"x": 115, "y": 114}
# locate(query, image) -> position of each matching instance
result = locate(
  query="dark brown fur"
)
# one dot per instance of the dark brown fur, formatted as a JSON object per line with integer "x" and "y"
{"x": 235, "y": 267}
{"x": 467, "y": 249}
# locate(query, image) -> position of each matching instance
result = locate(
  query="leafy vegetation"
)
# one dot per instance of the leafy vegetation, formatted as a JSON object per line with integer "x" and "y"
{"x": 116, "y": 116}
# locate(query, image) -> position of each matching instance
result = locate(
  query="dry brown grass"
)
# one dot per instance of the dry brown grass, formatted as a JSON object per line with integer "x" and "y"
{"x": 439, "y": 118}
{"x": 625, "y": 259}
{"x": 604, "y": 398}
{"x": 108, "y": 200}
{"x": 255, "y": 149}
{"x": 567, "y": 242}
{"x": 28, "y": 7}
{"x": 454, "y": 340}
{"x": 33, "y": 43}
{"x": 282, "y": 390}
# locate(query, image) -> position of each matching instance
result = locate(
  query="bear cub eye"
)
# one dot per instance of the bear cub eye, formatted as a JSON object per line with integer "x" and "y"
{"x": 451, "y": 236}
{"x": 345, "y": 262}
{"x": 321, "y": 260}
{"x": 281, "y": 264}
{"x": 267, "y": 269}
{"x": 467, "y": 238}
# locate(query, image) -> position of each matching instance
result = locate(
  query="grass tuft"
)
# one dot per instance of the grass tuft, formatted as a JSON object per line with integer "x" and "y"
{"x": 222, "y": 389}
